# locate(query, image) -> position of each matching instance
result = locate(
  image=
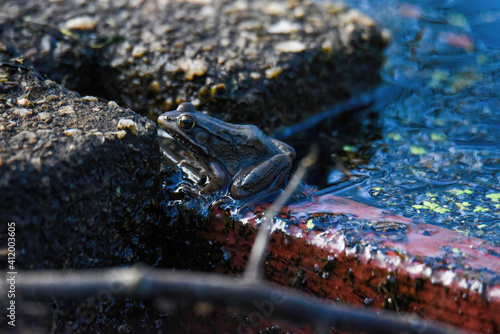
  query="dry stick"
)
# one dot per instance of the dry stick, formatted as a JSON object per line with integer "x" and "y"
{"x": 268, "y": 300}
{"x": 255, "y": 266}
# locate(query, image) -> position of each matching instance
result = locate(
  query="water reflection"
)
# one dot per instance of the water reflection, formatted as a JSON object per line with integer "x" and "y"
{"x": 438, "y": 154}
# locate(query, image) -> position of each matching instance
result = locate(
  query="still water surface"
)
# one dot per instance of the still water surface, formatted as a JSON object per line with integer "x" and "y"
{"x": 438, "y": 158}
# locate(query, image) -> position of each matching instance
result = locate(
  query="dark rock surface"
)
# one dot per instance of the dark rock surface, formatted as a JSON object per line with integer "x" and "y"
{"x": 76, "y": 173}
{"x": 270, "y": 64}
{"x": 79, "y": 175}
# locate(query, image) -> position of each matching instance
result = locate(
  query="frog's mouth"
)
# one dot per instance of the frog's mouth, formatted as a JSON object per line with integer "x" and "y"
{"x": 186, "y": 142}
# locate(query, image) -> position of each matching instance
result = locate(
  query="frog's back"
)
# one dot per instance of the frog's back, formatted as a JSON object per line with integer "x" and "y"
{"x": 239, "y": 146}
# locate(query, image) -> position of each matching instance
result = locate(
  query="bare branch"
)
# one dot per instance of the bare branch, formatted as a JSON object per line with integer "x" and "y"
{"x": 186, "y": 286}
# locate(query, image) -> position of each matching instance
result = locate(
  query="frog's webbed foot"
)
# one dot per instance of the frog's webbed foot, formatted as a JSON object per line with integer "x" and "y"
{"x": 221, "y": 201}
{"x": 227, "y": 203}
{"x": 188, "y": 188}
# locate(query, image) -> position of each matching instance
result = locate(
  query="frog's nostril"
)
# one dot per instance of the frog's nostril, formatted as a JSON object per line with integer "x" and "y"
{"x": 163, "y": 119}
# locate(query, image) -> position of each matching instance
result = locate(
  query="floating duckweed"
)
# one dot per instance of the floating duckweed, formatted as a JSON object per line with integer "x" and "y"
{"x": 482, "y": 226}
{"x": 458, "y": 20}
{"x": 482, "y": 59}
{"x": 448, "y": 199}
{"x": 431, "y": 194}
{"x": 376, "y": 191}
{"x": 464, "y": 80}
{"x": 463, "y": 205}
{"x": 437, "y": 78}
{"x": 118, "y": 191}
{"x": 495, "y": 197}
{"x": 457, "y": 251}
{"x": 310, "y": 224}
{"x": 417, "y": 150}
{"x": 459, "y": 192}
{"x": 431, "y": 206}
{"x": 437, "y": 137}
{"x": 481, "y": 209}
{"x": 497, "y": 206}
{"x": 395, "y": 136}
{"x": 441, "y": 210}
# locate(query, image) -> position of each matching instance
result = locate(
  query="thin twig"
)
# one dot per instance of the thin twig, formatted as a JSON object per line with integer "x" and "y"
{"x": 255, "y": 265}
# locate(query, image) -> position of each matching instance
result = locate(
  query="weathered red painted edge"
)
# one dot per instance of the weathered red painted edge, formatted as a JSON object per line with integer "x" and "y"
{"x": 397, "y": 264}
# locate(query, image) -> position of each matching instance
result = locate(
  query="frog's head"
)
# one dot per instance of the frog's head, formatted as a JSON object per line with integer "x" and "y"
{"x": 184, "y": 124}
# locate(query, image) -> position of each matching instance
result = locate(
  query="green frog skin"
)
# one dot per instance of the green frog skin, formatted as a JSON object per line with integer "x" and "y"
{"x": 239, "y": 159}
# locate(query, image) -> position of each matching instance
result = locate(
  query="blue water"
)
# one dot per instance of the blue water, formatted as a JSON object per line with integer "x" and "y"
{"x": 439, "y": 156}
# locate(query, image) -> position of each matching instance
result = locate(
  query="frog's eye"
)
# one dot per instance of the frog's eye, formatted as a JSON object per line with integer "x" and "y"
{"x": 186, "y": 122}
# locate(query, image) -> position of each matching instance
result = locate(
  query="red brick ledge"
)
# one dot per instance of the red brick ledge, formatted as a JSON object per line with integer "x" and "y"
{"x": 398, "y": 264}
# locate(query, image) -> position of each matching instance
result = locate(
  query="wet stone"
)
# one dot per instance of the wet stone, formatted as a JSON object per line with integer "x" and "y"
{"x": 279, "y": 62}
{"x": 69, "y": 180}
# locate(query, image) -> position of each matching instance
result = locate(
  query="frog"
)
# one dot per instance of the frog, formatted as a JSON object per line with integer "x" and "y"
{"x": 240, "y": 161}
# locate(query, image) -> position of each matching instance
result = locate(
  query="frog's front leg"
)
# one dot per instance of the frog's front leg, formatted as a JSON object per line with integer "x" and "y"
{"x": 266, "y": 176}
{"x": 218, "y": 178}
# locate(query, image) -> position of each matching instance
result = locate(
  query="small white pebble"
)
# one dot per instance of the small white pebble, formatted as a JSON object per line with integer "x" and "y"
{"x": 284, "y": 27}
{"x": 70, "y": 132}
{"x": 22, "y": 112}
{"x": 81, "y": 23}
{"x": 23, "y": 102}
{"x": 113, "y": 104}
{"x": 44, "y": 116}
{"x": 120, "y": 134}
{"x": 129, "y": 124}
{"x": 192, "y": 68}
{"x": 255, "y": 75}
{"x": 37, "y": 163}
{"x": 274, "y": 8}
{"x": 139, "y": 51}
{"x": 290, "y": 46}
{"x": 67, "y": 110}
{"x": 273, "y": 72}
